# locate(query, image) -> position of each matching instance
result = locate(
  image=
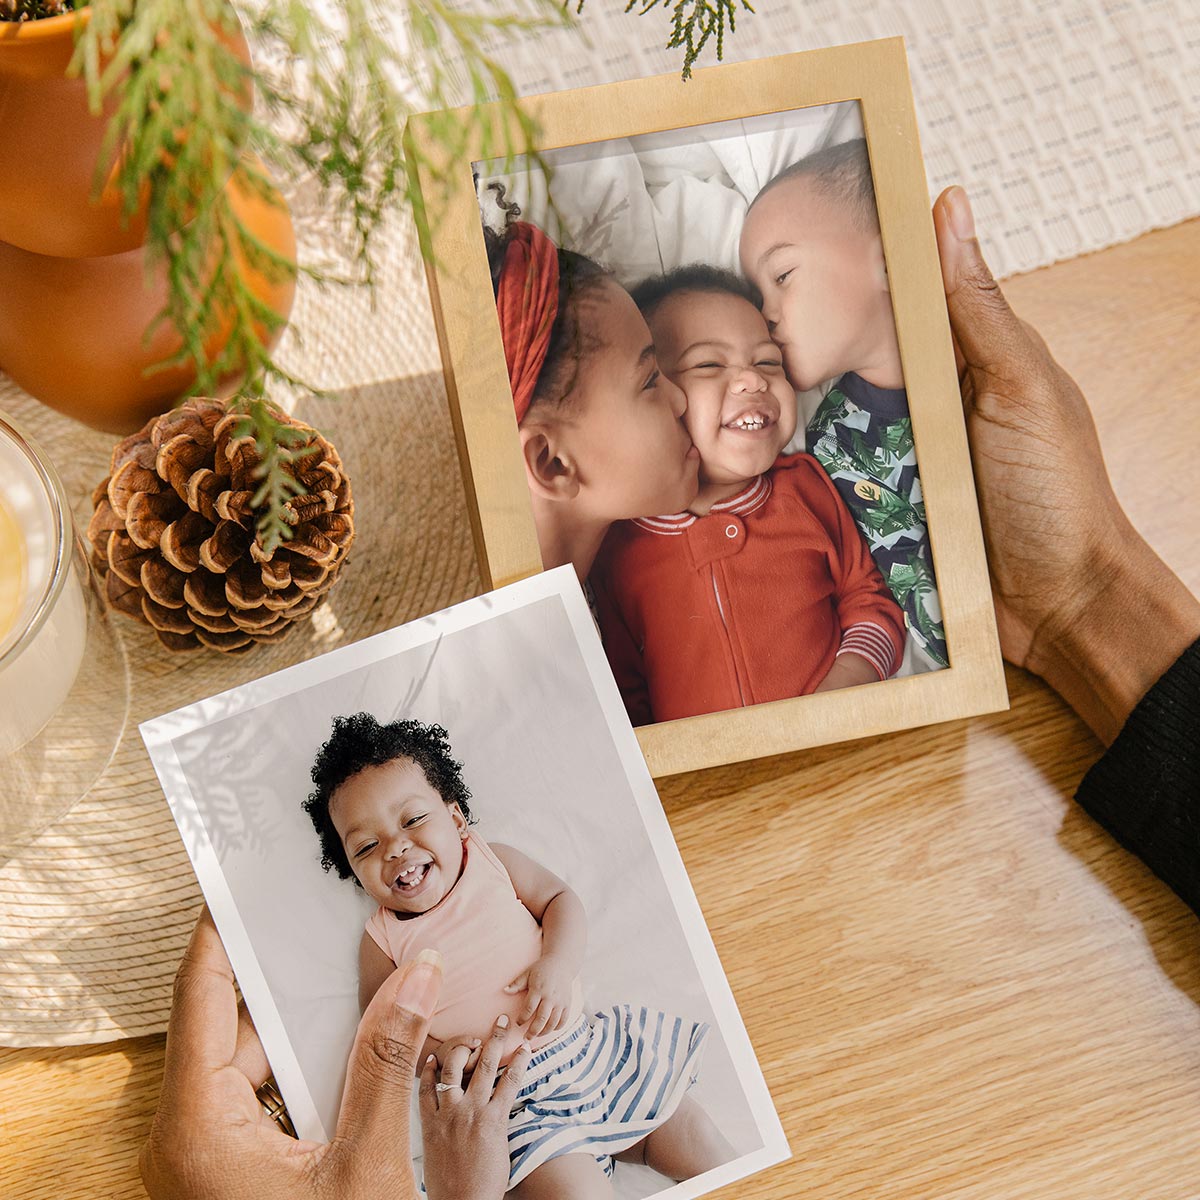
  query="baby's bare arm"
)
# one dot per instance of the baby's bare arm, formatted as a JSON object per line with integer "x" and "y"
{"x": 848, "y": 670}
{"x": 553, "y": 904}
{"x": 549, "y": 982}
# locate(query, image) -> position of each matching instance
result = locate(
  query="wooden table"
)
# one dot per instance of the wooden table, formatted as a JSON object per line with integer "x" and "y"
{"x": 958, "y": 986}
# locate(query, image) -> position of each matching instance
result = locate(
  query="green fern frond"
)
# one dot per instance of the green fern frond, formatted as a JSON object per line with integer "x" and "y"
{"x": 280, "y": 447}
{"x": 333, "y": 86}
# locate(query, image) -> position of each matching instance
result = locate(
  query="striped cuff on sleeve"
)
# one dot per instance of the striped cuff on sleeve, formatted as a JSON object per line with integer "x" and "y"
{"x": 870, "y": 641}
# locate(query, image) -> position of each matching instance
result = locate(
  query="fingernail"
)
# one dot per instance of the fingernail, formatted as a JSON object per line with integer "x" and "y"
{"x": 431, "y": 1058}
{"x": 502, "y": 1020}
{"x": 418, "y": 990}
{"x": 962, "y": 220}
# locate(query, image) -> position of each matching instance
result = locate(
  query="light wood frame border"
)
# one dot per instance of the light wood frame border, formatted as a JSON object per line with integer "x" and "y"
{"x": 875, "y": 74}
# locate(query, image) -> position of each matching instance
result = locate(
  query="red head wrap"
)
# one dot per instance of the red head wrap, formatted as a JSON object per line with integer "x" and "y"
{"x": 527, "y": 303}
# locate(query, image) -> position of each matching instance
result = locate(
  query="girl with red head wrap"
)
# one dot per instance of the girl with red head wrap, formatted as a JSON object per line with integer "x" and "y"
{"x": 601, "y": 430}
{"x": 527, "y": 303}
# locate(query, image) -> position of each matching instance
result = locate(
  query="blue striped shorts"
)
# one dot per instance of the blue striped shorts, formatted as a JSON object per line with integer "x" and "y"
{"x": 603, "y": 1086}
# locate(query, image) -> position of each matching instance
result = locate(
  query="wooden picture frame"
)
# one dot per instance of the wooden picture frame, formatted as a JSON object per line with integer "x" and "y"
{"x": 875, "y": 74}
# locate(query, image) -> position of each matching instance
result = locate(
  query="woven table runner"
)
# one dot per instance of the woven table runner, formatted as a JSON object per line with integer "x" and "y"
{"x": 1074, "y": 125}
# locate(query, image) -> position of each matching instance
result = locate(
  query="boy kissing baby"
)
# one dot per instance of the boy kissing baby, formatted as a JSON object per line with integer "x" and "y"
{"x": 811, "y": 244}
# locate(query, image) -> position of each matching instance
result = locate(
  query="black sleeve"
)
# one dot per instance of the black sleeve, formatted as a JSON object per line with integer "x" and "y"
{"x": 1146, "y": 789}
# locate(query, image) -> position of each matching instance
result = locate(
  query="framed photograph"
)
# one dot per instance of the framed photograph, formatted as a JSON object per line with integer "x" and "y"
{"x": 697, "y": 348}
{"x": 443, "y": 786}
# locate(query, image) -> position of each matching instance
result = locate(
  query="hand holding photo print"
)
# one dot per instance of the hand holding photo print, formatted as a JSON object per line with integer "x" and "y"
{"x": 733, "y": 399}
{"x": 468, "y": 787}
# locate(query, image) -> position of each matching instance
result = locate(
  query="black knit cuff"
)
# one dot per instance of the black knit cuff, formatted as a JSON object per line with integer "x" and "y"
{"x": 1146, "y": 790}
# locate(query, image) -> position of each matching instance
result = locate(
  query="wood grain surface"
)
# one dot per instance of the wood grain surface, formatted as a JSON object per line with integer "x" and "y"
{"x": 958, "y": 986}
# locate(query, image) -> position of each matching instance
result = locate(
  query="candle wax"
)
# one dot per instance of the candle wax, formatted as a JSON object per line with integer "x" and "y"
{"x": 12, "y": 570}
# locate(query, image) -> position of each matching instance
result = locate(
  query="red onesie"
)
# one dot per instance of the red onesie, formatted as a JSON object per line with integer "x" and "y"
{"x": 749, "y": 603}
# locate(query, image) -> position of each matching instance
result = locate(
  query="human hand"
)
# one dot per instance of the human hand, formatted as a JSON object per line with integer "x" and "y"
{"x": 1075, "y": 586}
{"x": 211, "y": 1137}
{"x": 848, "y": 670}
{"x": 549, "y": 983}
{"x": 470, "y": 1116}
{"x": 456, "y": 1056}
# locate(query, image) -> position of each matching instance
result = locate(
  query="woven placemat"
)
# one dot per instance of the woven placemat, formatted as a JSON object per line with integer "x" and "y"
{"x": 95, "y": 912}
{"x": 1075, "y": 125}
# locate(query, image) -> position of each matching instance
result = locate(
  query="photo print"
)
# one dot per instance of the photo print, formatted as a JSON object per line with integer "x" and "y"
{"x": 470, "y": 783}
{"x": 773, "y": 539}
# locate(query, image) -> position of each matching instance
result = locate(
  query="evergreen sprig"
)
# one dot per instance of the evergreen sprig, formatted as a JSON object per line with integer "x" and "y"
{"x": 33, "y": 10}
{"x": 335, "y": 84}
{"x": 694, "y": 23}
{"x": 328, "y": 95}
{"x": 280, "y": 447}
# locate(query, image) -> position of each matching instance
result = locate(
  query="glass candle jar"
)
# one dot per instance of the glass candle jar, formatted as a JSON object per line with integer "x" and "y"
{"x": 63, "y": 677}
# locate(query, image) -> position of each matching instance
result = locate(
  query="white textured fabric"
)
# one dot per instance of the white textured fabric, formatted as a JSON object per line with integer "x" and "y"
{"x": 1074, "y": 124}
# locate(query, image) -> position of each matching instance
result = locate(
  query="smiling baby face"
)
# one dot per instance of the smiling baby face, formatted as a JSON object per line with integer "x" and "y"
{"x": 741, "y": 411}
{"x": 403, "y": 841}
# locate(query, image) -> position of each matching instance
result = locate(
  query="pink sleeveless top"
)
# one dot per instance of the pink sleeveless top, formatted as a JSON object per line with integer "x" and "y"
{"x": 486, "y": 938}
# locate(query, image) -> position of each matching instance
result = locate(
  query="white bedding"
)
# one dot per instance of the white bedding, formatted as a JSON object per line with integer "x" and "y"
{"x": 643, "y": 205}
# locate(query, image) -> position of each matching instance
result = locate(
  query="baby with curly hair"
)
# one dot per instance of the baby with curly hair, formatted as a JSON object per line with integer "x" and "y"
{"x": 392, "y": 811}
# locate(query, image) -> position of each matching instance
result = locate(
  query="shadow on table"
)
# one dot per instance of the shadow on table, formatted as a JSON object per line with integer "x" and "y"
{"x": 1168, "y": 926}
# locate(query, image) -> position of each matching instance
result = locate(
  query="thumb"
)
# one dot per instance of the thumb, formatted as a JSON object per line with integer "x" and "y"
{"x": 379, "y": 1081}
{"x": 519, "y": 984}
{"x": 987, "y": 332}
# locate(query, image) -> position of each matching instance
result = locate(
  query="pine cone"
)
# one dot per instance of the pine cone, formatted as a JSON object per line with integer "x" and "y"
{"x": 173, "y": 532}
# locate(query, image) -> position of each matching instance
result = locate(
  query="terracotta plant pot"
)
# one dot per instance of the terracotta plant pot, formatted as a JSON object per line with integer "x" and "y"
{"x": 72, "y": 329}
{"x": 50, "y": 143}
{"x": 75, "y": 299}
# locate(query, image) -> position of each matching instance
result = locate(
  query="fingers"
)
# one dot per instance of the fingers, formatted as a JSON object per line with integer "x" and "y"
{"x": 986, "y": 332}
{"x": 489, "y": 1059}
{"x": 427, "y": 1093}
{"x": 519, "y": 984}
{"x": 450, "y": 1043}
{"x": 249, "y": 1056}
{"x": 459, "y": 1058}
{"x": 504, "y": 1094}
{"x": 375, "y": 1103}
{"x": 202, "y": 1033}
{"x": 543, "y": 1018}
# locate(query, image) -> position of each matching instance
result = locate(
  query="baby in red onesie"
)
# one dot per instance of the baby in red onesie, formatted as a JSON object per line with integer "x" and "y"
{"x": 764, "y": 588}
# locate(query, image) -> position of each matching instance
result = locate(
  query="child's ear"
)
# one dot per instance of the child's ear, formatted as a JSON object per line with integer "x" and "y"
{"x": 549, "y": 468}
{"x": 460, "y": 821}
